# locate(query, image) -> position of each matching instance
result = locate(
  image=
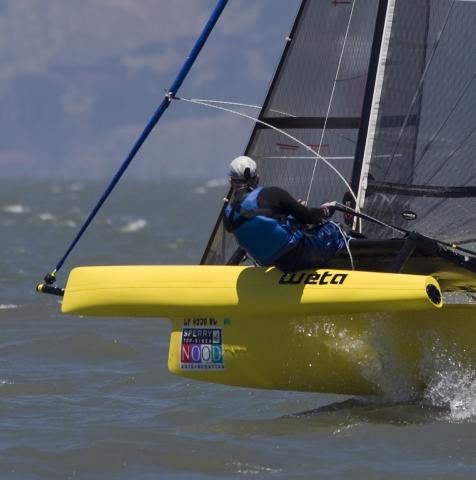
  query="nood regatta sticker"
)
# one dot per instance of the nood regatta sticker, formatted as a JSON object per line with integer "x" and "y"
{"x": 202, "y": 349}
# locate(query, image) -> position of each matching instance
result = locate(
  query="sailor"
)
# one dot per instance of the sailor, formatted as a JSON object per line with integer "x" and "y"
{"x": 276, "y": 229}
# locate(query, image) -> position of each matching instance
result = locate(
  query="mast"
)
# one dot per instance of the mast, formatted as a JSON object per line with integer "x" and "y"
{"x": 372, "y": 99}
{"x": 375, "y": 61}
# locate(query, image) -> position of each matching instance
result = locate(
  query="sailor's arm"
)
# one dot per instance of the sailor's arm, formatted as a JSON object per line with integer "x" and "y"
{"x": 278, "y": 198}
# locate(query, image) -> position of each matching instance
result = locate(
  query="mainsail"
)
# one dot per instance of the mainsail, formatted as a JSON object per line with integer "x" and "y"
{"x": 420, "y": 173}
{"x": 326, "y": 56}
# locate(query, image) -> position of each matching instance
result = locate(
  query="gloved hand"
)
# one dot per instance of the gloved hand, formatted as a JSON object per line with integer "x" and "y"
{"x": 349, "y": 201}
{"x": 328, "y": 208}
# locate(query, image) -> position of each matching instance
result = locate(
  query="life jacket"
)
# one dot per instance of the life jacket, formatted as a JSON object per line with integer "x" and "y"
{"x": 261, "y": 232}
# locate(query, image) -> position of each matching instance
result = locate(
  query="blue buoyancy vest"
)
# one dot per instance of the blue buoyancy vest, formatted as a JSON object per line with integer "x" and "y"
{"x": 264, "y": 237}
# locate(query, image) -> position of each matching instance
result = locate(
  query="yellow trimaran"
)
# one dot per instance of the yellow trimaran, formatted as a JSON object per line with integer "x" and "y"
{"x": 380, "y": 327}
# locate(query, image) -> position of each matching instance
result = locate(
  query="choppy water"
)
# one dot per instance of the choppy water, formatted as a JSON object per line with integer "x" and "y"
{"x": 92, "y": 398}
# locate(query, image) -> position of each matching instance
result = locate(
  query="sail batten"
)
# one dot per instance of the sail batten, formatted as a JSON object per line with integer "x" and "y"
{"x": 434, "y": 191}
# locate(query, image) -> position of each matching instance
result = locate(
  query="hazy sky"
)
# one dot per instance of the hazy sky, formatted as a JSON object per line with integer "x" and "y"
{"x": 79, "y": 79}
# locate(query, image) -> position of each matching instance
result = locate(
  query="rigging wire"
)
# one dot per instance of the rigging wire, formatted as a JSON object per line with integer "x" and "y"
{"x": 344, "y": 137}
{"x": 344, "y": 208}
{"x": 420, "y": 85}
{"x": 330, "y": 103}
{"x": 258, "y": 107}
{"x": 465, "y": 242}
{"x": 364, "y": 216}
{"x": 316, "y": 155}
{"x": 247, "y": 105}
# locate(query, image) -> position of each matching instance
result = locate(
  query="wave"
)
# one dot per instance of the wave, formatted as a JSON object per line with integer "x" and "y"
{"x": 46, "y": 217}
{"x": 16, "y": 209}
{"x": 216, "y": 182}
{"x": 49, "y": 217}
{"x": 134, "y": 226}
{"x": 76, "y": 187}
{"x": 9, "y": 306}
{"x": 213, "y": 183}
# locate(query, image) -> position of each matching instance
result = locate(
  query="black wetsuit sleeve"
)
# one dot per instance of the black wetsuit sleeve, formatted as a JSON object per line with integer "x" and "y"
{"x": 284, "y": 203}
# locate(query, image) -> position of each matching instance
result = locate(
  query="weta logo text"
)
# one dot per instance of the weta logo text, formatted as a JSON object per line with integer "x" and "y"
{"x": 325, "y": 278}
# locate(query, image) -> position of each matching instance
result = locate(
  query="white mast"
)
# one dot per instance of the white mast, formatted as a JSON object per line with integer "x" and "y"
{"x": 369, "y": 143}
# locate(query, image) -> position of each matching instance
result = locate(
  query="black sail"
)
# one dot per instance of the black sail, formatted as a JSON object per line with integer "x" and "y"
{"x": 298, "y": 103}
{"x": 421, "y": 170}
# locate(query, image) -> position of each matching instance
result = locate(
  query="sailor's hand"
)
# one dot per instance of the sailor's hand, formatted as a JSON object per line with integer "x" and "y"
{"x": 302, "y": 202}
{"x": 328, "y": 209}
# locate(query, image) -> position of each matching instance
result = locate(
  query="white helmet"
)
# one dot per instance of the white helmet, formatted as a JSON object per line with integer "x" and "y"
{"x": 243, "y": 168}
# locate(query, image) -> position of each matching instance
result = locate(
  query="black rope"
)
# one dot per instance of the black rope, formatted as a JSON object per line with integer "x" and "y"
{"x": 369, "y": 218}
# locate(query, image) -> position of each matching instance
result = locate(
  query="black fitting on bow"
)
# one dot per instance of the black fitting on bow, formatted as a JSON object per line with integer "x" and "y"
{"x": 42, "y": 288}
{"x": 50, "y": 278}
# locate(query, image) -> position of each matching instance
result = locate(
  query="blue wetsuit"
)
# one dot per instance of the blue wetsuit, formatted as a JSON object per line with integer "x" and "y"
{"x": 271, "y": 226}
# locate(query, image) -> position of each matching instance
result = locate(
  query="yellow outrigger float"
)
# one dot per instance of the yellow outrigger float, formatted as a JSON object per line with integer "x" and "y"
{"x": 232, "y": 291}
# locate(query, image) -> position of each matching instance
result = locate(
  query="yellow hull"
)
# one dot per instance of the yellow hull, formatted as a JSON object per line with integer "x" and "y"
{"x": 332, "y": 331}
{"x": 221, "y": 291}
{"x": 395, "y": 354}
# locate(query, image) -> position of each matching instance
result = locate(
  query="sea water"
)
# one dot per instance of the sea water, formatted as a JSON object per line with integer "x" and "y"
{"x": 90, "y": 398}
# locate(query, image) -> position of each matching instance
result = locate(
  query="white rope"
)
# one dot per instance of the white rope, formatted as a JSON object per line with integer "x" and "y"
{"x": 223, "y": 102}
{"x": 303, "y": 157}
{"x": 307, "y": 147}
{"x": 330, "y": 104}
{"x": 347, "y": 240}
